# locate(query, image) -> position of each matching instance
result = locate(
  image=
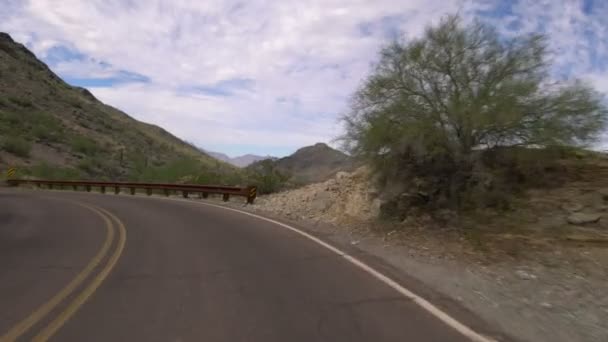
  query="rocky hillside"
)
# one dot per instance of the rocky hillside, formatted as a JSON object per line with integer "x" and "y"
{"x": 573, "y": 210}
{"x": 49, "y": 128}
{"x": 344, "y": 197}
{"x": 312, "y": 164}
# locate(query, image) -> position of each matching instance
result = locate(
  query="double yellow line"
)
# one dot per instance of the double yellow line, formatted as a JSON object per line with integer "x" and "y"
{"x": 42, "y": 311}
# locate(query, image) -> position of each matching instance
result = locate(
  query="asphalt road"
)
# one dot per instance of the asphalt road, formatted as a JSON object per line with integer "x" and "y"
{"x": 161, "y": 270}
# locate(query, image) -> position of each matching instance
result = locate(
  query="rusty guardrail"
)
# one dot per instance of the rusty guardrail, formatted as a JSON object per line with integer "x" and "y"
{"x": 203, "y": 190}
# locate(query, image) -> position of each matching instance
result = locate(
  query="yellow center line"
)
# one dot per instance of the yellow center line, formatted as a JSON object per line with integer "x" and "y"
{"x": 82, "y": 297}
{"x": 47, "y": 307}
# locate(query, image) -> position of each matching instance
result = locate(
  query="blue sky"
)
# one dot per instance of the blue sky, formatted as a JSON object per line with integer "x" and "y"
{"x": 267, "y": 77}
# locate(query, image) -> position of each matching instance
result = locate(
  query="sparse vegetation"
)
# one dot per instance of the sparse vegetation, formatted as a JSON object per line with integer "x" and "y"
{"x": 461, "y": 117}
{"x": 17, "y": 146}
{"x": 84, "y": 145}
{"x": 21, "y": 102}
{"x": 266, "y": 176}
{"x": 46, "y": 171}
{"x": 79, "y": 133}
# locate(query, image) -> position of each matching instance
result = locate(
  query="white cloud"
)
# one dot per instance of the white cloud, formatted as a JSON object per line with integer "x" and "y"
{"x": 304, "y": 57}
{"x": 578, "y": 40}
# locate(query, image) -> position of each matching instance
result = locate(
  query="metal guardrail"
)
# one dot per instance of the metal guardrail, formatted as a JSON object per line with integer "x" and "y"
{"x": 203, "y": 190}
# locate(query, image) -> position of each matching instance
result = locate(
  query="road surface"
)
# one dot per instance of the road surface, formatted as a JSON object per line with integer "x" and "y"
{"x": 90, "y": 267}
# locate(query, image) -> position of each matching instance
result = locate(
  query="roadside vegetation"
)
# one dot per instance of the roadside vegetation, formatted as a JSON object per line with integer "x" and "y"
{"x": 463, "y": 119}
{"x": 17, "y": 146}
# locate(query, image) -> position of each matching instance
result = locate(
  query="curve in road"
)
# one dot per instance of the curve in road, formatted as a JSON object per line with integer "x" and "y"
{"x": 204, "y": 273}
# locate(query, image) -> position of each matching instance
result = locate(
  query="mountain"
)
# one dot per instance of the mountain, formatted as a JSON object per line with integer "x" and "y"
{"x": 240, "y": 161}
{"x": 218, "y": 156}
{"x": 248, "y": 159}
{"x": 310, "y": 164}
{"x": 51, "y": 129}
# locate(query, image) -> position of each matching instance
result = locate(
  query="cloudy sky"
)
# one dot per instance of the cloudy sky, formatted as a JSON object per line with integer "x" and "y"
{"x": 266, "y": 77}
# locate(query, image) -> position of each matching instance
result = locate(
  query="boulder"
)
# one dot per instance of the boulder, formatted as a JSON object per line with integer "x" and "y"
{"x": 604, "y": 193}
{"x": 572, "y": 207}
{"x": 525, "y": 275}
{"x": 375, "y": 207}
{"x": 321, "y": 201}
{"x": 584, "y": 218}
{"x": 342, "y": 176}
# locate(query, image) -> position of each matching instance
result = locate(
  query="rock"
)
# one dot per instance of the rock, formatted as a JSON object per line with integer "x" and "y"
{"x": 603, "y": 208}
{"x": 525, "y": 275}
{"x": 604, "y": 193}
{"x": 372, "y": 192}
{"x": 546, "y": 305}
{"x": 572, "y": 207}
{"x": 341, "y": 176}
{"x": 584, "y": 218}
{"x": 321, "y": 201}
{"x": 375, "y": 207}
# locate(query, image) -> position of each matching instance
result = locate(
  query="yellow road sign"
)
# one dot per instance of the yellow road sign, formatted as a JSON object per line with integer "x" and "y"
{"x": 11, "y": 172}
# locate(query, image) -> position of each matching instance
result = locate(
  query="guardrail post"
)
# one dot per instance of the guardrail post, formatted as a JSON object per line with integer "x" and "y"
{"x": 205, "y": 195}
{"x": 75, "y": 187}
{"x": 252, "y": 194}
{"x": 50, "y": 185}
{"x": 88, "y": 187}
{"x": 39, "y": 185}
{"x": 185, "y": 194}
{"x": 132, "y": 191}
{"x": 116, "y": 190}
{"x": 166, "y": 191}
{"x": 149, "y": 191}
{"x": 103, "y": 189}
{"x": 226, "y": 197}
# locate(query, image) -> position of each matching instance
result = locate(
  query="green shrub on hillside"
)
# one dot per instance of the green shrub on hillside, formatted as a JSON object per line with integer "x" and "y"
{"x": 184, "y": 170}
{"x": 265, "y": 176}
{"x": 83, "y": 145}
{"x": 21, "y": 102}
{"x": 90, "y": 166}
{"x": 29, "y": 124}
{"x": 53, "y": 172}
{"x": 17, "y": 146}
{"x": 171, "y": 172}
{"x": 47, "y": 128}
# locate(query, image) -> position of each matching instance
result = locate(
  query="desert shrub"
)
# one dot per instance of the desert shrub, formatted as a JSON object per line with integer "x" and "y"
{"x": 47, "y": 128}
{"x": 265, "y": 176}
{"x": 54, "y": 172}
{"x": 83, "y": 145}
{"x": 180, "y": 170}
{"x": 89, "y": 165}
{"x": 21, "y": 102}
{"x": 17, "y": 146}
{"x": 455, "y": 118}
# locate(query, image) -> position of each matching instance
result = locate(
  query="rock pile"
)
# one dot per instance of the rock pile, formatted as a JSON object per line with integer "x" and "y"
{"x": 344, "y": 197}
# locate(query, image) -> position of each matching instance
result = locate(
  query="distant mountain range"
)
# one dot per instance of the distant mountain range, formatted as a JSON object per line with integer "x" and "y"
{"x": 240, "y": 161}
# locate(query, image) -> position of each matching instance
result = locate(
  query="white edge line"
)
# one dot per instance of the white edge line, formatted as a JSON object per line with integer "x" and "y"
{"x": 425, "y": 304}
